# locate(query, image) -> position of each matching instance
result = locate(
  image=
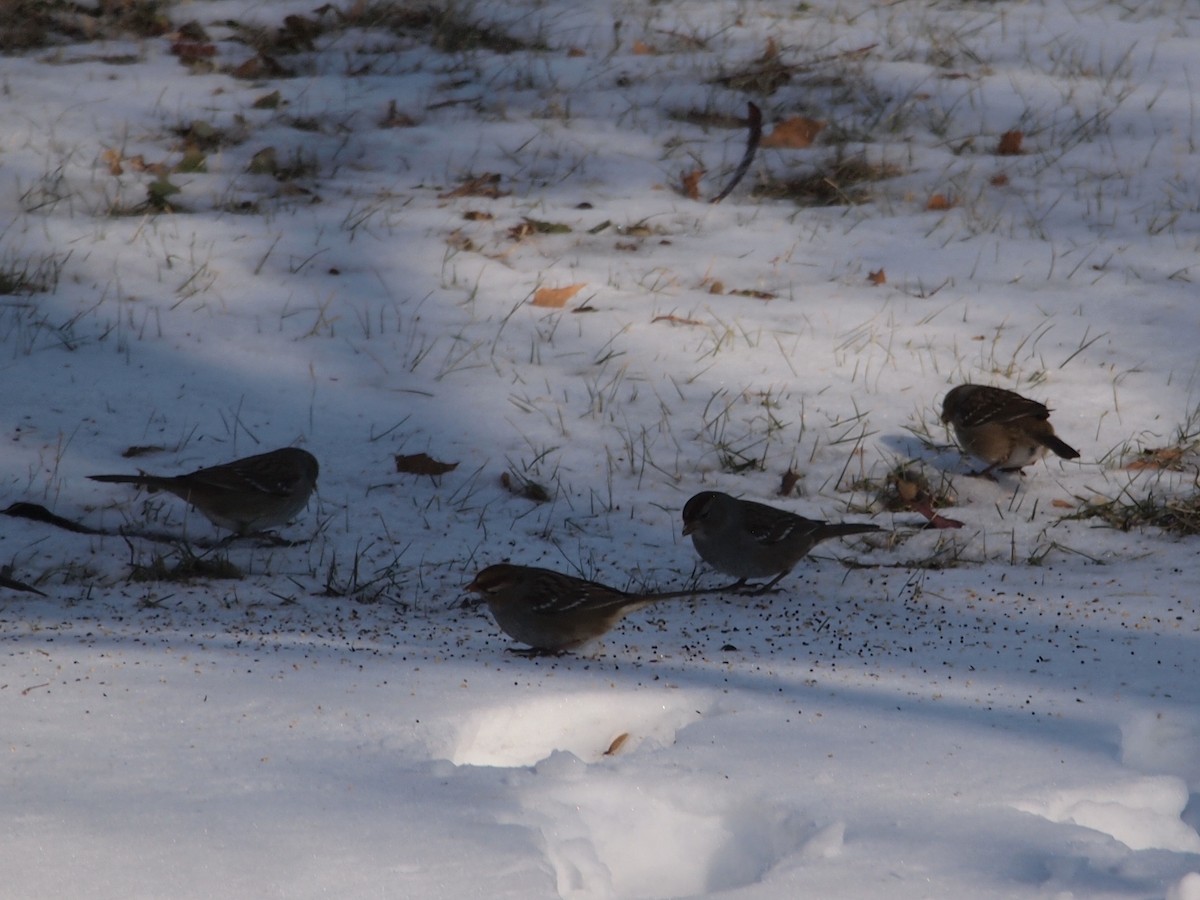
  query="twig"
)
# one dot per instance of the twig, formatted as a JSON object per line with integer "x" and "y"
{"x": 755, "y": 123}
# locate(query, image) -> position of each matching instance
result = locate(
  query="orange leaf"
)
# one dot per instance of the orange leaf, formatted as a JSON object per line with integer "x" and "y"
{"x": 691, "y": 184}
{"x": 1010, "y": 143}
{"x": 112, "y": 159}
{"x": 1161, "y": 458}
{"x": 556, "y": 298}
{"x": 422, "y": 464}
{"x": 795, "y": 133}
{"x": 617, "y": 743}
{"x": 641, "y": 48}
{"x": 939, "y": 202}
{"x": 877, "y": 277}
{"x": 1062, "y": 504}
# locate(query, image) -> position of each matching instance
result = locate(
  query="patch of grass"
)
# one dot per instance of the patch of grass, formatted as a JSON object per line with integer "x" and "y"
{"x": 30, "y": 24}
{"x": 838, "y": 181}
{"x": 1174, "y": 515}
{"x": 449, "y": 27}
{"x": 188, "y": 567}
{"x": 30, "y": 274}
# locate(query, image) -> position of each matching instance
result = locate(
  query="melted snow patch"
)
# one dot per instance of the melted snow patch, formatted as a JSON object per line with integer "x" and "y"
{"x": 1143, "y": 814}
{"x": 585, "y": 724}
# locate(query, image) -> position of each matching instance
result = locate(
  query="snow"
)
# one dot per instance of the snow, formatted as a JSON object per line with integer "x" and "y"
{"x": 1007, "y": 710}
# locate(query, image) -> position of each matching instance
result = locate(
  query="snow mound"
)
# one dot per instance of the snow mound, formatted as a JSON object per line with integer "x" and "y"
{"x": 585, "y": 724}
{"x": 623, "y": 834}
{"x": 1163, "y": 742}
{"x": 1143, "y": 814}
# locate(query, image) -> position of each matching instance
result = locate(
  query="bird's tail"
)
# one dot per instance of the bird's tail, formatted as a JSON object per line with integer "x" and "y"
{"x": 151, "y": 482}
{"x": 1060, "y": 447}
{"x": 844, "y": 529}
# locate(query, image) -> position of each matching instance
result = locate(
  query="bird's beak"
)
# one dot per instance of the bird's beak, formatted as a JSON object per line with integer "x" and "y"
{"x": 689, "y": 527}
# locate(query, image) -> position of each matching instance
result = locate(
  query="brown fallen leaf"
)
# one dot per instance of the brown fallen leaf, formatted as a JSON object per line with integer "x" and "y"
{"x": 788, "y": 483}
{"x": 935, "y": 519}
{"x": 690, "y": 184}
{"x": 112, "y": 159}
{"x": 1010, "y": 143}
{"x": 485, "y": 185}
{"x": 1160, "y": 458}
{"x": 641, "y": 48}
{"x": 422, "y": 464}
{"x": 524, "y": 487}
{"x": 617, "y": 743}
{"x": 751, "y": 292}
{"x": 998, "y": 180}
{"x": 556, "y": 298}
{"x": 796, "y": 133}
{"x": 1059, "y": 503}
{"x": 939, "y": 203}
{"x": 675, "y": 320}
{"x": 878, "y": 277}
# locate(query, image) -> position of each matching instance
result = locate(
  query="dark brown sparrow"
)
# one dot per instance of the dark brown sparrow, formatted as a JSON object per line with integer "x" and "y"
{"x": 244, "y": 496}
{"x": 552, "y": 612}
{"x": 1002, "y": 428}
{"x": 752, "y": 540}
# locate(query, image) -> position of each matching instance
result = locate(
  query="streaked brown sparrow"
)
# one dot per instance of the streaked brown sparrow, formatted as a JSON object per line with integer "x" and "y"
{"x": 552, "y": 612}
{"x": 752, "y": 540}
{"x": 245, "y": 496}
{"x": 1002, "y": 428}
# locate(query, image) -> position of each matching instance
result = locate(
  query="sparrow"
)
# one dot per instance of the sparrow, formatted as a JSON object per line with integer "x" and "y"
{"x": 1002, "y": 428}
{"x": 752, "y": 540}
{"x": 245, "y": 496}
{"x": 551, "y": 612}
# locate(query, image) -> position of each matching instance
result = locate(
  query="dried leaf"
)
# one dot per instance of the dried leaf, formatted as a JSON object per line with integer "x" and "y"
{"x": 264, "y": 162}
{"x": 422, "y": 464}
{"x": 1000, "y": 179}
{"x": 537, "y": 226}
{"x": 675, "y": 320}
{"x": 641, "y": 48}
{"x": 112, "y": 159}
{"x": 526, "y": 488}
{"x": 750, "y": 292}
{"x": 788, "y": 483}
{"x": 556, "y": 298}
{"x": 268, "y": 101}
{"x": 1010, "y": 143}
{"x": 485, "y": 185}
{"x": 690, "y": 184}
{"x": 907, "y": 490}
{"x": 878, "y": 277}
{"x": 796, "y": 133}
{"x": 939, "y": 202}
{"x": 1161, "y": 458}
{"x": 617, "y": 743}
{"x": 192, "y": 51}
{"x": 141, "y": 450}
{"x": 1062, "y": 504}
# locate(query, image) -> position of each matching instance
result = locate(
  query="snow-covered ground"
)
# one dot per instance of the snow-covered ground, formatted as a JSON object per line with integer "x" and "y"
{"x": 1006, "y": 710}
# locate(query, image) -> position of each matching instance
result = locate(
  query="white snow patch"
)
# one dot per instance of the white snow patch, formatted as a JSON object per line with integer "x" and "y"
{"x": 585, "y": 724}
{"x": 1142, "y": 814}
